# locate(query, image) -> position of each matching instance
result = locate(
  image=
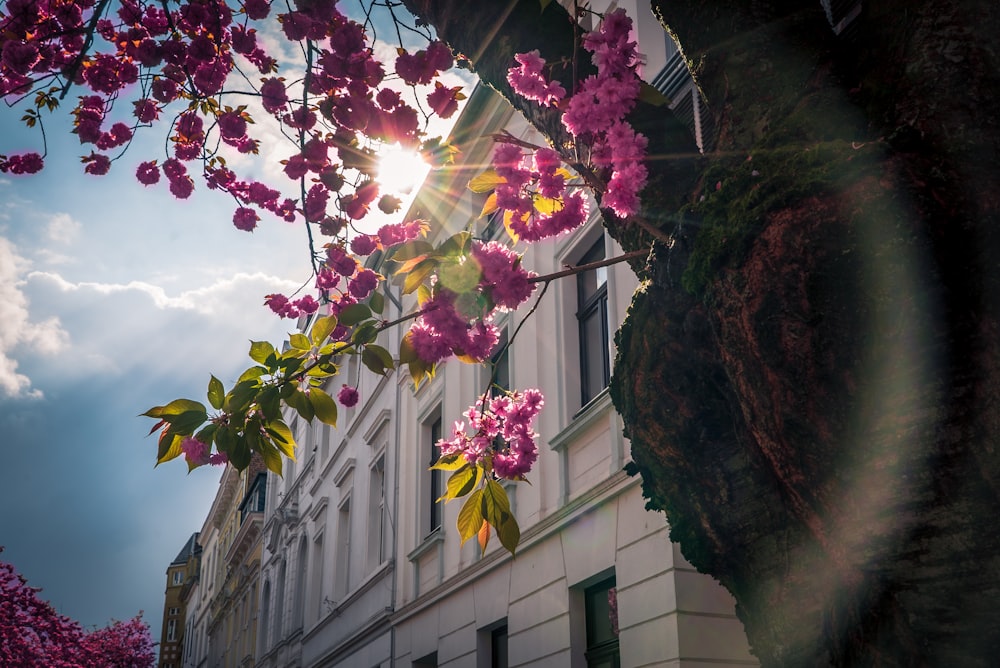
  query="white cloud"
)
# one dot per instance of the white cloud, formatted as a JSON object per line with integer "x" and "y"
{"x": 62, "y": 228}
{"x": 17, "y": 330}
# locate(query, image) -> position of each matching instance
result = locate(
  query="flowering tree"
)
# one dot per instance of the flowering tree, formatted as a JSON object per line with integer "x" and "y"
{"x": 819, "y": 436}
{"x": 32, "y": 633}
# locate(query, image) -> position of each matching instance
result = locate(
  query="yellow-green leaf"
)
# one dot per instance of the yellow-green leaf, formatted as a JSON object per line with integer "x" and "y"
{"x": 486, "y": 181}
{"x": 355, "y": 313}
{"x": 324, "y": 406}
{"x": 489, "y": 206}
{"x": 449, "y": 463}
{"x": 216, "y": 393}
{"x": 260, "y": 351}
{"x": 282, "y": 437}
{"x": 300, "y": 341}
{"x": 418, "y": 275}
{"x": 470, "y": 517}
{"x": 322, "y": 328}
{"x": 462, "y": 482}
{"x": 546, "y": 205}
{"x": 508, "y": 217}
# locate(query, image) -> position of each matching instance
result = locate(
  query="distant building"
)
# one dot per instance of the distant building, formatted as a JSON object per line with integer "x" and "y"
{"x": 222, "y": 608}
{"x": 183, "y": 571}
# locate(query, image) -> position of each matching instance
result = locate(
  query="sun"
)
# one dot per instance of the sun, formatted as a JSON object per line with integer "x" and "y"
{"x": 400, "y": 170}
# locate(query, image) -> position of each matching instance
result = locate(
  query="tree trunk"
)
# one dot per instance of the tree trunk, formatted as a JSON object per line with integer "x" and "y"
{"x": 810, "y": 375}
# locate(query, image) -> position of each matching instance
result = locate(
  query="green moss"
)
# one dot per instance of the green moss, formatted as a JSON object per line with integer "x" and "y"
{"x": 740, "y": 195}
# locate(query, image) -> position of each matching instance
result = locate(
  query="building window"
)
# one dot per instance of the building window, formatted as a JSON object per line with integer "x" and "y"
{"x": 265, "y": 613}
{"x": 592, "y": 318}
{"x": 376, "y": 514}
{"x": 300, "y": 584}
{"x": 172, "y": 630}
{"x": 498, "y": 647}
{"x": 178, "y": 578}
{"x": 499, "y": 366}
{"x": 432, "y": 477}
{"x": 601, "y": 606}
{"x": 279, "y": 604}
{"x": 173, "y": 612}
{"x": 343, "y": 554}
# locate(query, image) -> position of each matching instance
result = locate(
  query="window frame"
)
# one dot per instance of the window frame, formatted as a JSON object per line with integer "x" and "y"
{"x": 591, "y": 304}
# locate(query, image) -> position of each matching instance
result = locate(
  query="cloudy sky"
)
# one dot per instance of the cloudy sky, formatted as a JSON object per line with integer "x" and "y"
{"x": 115, "y": 298}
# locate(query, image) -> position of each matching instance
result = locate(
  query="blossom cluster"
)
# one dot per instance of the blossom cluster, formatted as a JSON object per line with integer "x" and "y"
{"x": 198, "y": 453}
{"x": 595, "y": 116}
{"x": 32, "y": 633}
{"x": 458, "y": 318}
{"x": 189, "y": 53}
{"x": 499, "y": 433}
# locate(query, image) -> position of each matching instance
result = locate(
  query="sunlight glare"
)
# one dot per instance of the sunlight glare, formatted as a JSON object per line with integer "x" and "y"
{"x": 400, "y": 170}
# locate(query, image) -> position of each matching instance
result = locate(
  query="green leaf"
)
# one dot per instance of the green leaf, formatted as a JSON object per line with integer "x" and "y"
{"x": 377, "y": 359}
{"x": 456, "y": 245}
{"x": 185, "y": 423}
{"x": 242, "y": 395}
{"x": 272, "y": 458}
{"x": 354, "y": 314}
{"x": 225, "y": 440}
{"x": 365, "y": 334}
{"x": 470, "y": 517}
{"x": 207, "y": 434}
{"x": 486, "y": 181}
{"x": 270, "y": 403}
{"x": 407, "y": 353}
{"x": 252, "y": 373}
{"x": 174, "y": 408}
{"x": 241, "y": 452}
{"x": 377, "y": 302}
{"x": 169, "y": 447}
{"x": 324, "y": 406}
{"x": 449, "y": 463}
{"x": 509, "y": 533}
{"x": 412, "y": 249}
{"x": 460, "y": 278}
{"x": 418, "y": 275}
{"x": 322, "y": 328}
{"x": 496, "y": 505}
{"x": 300, "y": 341}
{"x": 216, "y": 393}
{"x": 260, "y": 351}
{"x": 302, "y": 404}
{"x": 496, "y": 510}
{"x": 281, "y": 434}
{"x": 461, "y": 482}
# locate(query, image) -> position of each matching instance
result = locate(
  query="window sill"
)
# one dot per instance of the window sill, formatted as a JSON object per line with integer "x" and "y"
{"x": 433, "y": 539}
{"x": 597, "y": 409}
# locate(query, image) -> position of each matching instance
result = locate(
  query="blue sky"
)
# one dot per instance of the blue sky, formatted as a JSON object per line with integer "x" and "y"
{"x": 115, "y": 298}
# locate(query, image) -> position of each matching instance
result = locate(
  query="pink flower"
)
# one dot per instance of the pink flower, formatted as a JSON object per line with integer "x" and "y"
{"x": 364, "y": 244}
{"x": 444, "y": 100}
{"x": 306, "y": 304}
{"x": 97, "y": 164}
{"x": 146, "y": 110}
{"x": 148, "y": 173}
{"x": 273, "y": 95}
{"x": 257, "y": 9}
{"x": 195, "y": 452}
{"x": 245, "y": 219}
{"x": 26, "y": 163}
{"x": 232, "y": 125}
{"x": 348, "y": 396}
{"x": 363, "y": 284}
{"x": 528, "y": 81}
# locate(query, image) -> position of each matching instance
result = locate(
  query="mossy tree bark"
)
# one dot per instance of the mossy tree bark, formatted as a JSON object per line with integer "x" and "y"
{"x": 810, "y": 375}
